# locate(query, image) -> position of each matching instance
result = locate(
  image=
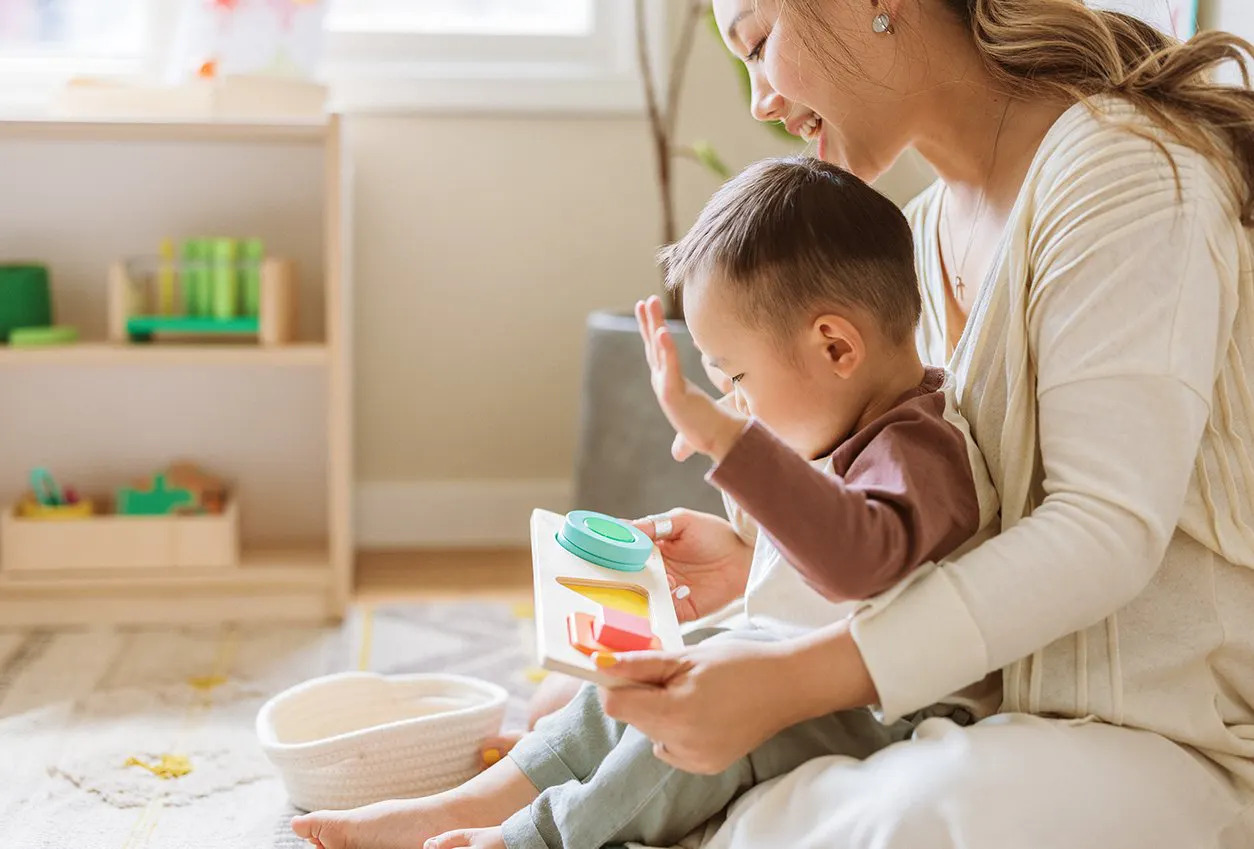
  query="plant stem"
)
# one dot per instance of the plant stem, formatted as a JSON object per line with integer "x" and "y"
{"x": 679, "y": 62}
{"x": 659, "y": 125}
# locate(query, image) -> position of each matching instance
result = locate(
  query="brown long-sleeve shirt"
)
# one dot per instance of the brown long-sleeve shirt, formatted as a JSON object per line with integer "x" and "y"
{"x": 900, "y": 492}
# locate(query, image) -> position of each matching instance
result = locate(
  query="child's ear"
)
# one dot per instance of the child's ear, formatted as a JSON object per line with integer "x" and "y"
{"x": 841, "y": 344}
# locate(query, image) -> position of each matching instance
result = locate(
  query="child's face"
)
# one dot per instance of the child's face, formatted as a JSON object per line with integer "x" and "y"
{"x": 792, "y": 385}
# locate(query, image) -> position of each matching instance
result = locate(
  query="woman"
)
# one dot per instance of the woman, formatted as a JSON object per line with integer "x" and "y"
{"x": 1089, "y": 279}
{"x": 1090, "y": 272}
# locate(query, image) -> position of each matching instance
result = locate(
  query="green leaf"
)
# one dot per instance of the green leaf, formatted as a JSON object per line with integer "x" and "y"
{"x": 708, "y": 156}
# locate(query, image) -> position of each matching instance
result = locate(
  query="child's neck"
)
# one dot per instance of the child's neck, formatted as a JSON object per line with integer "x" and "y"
{"x": 895, "y": 374}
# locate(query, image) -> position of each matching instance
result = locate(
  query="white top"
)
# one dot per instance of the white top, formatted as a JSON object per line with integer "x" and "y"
{"x": 1105, "y": 374}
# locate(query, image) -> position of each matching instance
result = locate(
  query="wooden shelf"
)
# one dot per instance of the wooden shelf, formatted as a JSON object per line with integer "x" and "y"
{"x": 308, "y": 584}
{"x": 302, "y": 130}
{"x": 163, "y": 353}
{"x": 260, "y": 569}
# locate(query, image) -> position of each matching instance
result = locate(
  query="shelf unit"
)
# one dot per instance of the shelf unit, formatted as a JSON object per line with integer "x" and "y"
{"x": 287, "y": 408}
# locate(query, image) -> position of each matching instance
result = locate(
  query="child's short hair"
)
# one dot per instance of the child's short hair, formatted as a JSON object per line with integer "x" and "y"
{"x": 795, "y": 235}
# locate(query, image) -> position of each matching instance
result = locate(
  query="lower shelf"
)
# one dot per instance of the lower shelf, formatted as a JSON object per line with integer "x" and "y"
{"x": 269, "y": 585}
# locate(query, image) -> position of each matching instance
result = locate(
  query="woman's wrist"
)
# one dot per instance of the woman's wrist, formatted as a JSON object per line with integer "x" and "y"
{"x": 822, "y": 672}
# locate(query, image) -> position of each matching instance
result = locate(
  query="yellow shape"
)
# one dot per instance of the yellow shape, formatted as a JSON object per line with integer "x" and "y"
{"x": 623, "y": 597}
{"x": 170, "y": 766}
{"x": 535, "y": 674}
{"x": 524, "y": 610}
{"x": 205, "y": 683}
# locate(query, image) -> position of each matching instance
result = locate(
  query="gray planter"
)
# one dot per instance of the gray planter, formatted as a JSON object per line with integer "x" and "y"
{"x": 623, "y": 466}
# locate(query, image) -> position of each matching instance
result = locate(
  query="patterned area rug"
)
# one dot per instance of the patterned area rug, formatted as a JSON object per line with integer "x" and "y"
{"x": 86, "y": 717}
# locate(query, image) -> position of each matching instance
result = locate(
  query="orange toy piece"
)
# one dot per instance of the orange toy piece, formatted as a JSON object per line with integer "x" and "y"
{"x": 579, "y": 629}
{"x": 621, "y": 631}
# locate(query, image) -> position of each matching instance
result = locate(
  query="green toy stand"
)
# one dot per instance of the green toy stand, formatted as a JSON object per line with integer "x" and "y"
{"x": 605, "y": 541}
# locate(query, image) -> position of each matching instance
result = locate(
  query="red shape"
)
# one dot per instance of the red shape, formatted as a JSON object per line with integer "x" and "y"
{"x": 622, "y": 631}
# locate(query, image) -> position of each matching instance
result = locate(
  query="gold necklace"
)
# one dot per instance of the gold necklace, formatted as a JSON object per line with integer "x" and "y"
{"x": 960, "y": 287}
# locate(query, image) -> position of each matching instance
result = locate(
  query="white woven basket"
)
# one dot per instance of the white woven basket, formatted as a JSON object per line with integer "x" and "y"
{"x": 357, "y": 737}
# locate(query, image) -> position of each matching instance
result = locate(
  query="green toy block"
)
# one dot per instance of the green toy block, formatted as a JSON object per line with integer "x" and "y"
{"x": 159, "y": 501}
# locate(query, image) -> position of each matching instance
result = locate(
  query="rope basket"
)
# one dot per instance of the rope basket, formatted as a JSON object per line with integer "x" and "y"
{"x": 358, "y": 737}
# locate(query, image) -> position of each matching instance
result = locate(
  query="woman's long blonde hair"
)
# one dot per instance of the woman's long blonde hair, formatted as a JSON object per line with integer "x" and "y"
{"x": 1062, "y": 48}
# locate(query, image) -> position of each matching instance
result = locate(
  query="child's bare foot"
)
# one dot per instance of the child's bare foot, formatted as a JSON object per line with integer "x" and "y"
{"x": 395, "y": 823}
{"x": 486, "y": 800}
{"x": 473, "y": 838}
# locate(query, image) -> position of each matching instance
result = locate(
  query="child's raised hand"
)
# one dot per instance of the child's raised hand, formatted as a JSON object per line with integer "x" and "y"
{"x": 705, "y": 425}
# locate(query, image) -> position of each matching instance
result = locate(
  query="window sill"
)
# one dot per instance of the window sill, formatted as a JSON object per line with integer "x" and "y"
{"x": 487, "y": 89}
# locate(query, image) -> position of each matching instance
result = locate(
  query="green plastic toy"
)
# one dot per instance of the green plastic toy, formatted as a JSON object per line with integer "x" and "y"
{"x": 605, "y": 541}
{"x": 160, "y": 501}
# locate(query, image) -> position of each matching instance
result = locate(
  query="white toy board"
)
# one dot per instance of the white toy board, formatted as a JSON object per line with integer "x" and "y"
{"x": 567, "y": 584}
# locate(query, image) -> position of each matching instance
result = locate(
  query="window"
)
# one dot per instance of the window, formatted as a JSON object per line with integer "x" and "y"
{"x": 500, "y": 55}
{"x": 497, "y": 55}
{"x": 45, "y": 42}
{"x": 479, "y": 17}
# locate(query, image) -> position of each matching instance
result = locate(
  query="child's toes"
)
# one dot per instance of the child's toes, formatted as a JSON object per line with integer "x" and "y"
{"x": 495, "y": 748}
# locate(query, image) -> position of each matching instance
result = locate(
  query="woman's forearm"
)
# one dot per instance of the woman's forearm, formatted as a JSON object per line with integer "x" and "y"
{"x": 820, "y": 673}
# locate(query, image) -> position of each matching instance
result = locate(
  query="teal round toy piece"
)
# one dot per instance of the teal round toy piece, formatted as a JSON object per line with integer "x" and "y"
{"x": 605, "y": 541}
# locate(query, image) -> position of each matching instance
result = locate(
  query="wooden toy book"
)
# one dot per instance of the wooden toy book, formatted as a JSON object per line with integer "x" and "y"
{"x": 599, "y": 586}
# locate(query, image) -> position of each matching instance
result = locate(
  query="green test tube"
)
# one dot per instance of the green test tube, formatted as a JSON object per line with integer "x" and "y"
{"x": 250, "y": 273}
{"x": 190, "y": 275}
{"x": 225, "y": 278}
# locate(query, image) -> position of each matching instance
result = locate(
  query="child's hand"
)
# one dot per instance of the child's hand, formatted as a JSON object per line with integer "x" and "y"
{"x": 704, "y": 424}
{"x": 681, "y": 450}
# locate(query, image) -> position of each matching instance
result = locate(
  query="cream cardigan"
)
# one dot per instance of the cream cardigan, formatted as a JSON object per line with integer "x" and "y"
{"x": 1105, "y": 373}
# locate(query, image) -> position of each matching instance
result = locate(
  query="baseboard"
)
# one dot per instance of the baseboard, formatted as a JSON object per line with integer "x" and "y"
{"x": 427, "y": 514}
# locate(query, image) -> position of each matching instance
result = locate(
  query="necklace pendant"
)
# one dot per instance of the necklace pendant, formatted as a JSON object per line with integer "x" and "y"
{"x": 960, "y": 288}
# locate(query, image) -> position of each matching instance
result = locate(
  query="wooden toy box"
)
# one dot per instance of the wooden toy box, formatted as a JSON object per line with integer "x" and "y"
{"x": 110, "y": 541}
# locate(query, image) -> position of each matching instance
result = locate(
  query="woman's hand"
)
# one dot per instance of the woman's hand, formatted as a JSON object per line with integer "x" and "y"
{"x": 704, "y": 554}
{"x": 704, "y": 424}
{"x": 713, "y": 703}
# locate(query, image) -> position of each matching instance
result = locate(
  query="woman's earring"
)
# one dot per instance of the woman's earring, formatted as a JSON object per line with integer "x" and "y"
{"x": 882, "y": 23}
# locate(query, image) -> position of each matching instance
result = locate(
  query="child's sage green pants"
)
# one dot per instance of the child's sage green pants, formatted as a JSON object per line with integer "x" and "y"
{"x": 600, "y": 783}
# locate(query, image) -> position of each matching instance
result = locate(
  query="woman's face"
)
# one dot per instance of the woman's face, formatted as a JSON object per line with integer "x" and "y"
{"x": 837, "y": 84}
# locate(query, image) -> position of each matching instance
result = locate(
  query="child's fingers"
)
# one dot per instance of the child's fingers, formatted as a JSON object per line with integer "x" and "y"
{"x": 663, "y": 382}
{"x": 681, "y": 450}
{"x": 642, "y": 322}
{"x": 657, "y": 317}
{"x": 669, "y": 361}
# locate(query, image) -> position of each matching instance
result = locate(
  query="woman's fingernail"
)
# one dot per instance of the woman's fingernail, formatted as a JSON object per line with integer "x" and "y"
{"x": 491, "y": 756}
{"x": 682, "y": 593}
{"x": 604, "y": 660}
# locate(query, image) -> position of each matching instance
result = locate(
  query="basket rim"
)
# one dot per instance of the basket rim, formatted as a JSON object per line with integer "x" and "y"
{"x": 495, "y": 698}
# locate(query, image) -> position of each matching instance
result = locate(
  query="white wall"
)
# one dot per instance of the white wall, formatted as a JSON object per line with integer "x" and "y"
{"x": 481, "y": 244}
{"x": 1233, "y": 15}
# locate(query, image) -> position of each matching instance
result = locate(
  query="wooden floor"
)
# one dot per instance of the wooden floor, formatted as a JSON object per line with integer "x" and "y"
{"x": 444, "y": 573}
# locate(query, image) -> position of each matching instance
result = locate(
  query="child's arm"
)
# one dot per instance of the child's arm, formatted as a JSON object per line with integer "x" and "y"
{"x": 908, "y": 497}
